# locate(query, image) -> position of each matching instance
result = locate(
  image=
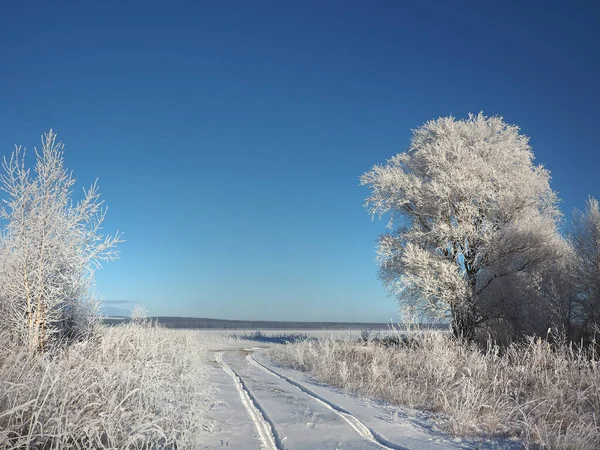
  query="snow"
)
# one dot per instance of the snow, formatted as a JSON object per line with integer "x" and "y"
{"x": 233, "y": 427}
{"x": 264, "y": 406}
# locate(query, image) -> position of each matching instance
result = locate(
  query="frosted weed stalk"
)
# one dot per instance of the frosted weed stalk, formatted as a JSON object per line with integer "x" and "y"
{"x": 547, "y": 396}
{"x": 132, "y": 387}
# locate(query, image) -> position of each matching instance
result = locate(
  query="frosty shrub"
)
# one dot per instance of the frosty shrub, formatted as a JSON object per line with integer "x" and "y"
{"x": 49, "y": 249}
{"x": 139, "y": 314}
{"x": 467, "y": 207}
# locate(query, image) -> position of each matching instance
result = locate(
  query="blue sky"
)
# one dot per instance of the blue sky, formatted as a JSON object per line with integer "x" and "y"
{"x": 229, "y": 136}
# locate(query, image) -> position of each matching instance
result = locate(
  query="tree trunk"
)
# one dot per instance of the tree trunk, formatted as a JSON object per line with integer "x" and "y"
{"x": 464, "y": 315}
{"x": 463, "y": 323}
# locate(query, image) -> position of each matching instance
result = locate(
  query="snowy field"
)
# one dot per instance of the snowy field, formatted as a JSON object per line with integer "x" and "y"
{"x": 281, "y": 336}
{"x": 260, "y": 405}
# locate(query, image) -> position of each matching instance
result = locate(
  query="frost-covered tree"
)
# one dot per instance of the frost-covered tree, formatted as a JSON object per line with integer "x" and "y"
{"x": 49, "y": 248}
{"x": 467, "y": 207}
{"x": 585, "y": 241}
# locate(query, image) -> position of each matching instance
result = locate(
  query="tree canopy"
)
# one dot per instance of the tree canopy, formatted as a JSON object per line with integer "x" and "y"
{"x": 49, "y": 248}
{"x": 466, "y": 206}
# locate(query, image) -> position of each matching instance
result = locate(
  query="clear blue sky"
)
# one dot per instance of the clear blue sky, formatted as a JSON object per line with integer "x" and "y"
{"x": 229, "y": 136}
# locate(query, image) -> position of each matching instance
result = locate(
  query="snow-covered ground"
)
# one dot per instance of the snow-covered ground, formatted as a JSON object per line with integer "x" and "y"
{"x": 264, "y": 406}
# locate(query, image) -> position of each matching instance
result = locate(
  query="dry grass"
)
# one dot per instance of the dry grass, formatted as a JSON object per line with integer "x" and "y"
{"x": 134, "y": 386}
{"x": 547, "y": 396}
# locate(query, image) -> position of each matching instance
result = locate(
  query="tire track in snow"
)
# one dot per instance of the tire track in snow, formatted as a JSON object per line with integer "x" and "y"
{"x": 363, "y": 430}
{"x": 264, "y": 426}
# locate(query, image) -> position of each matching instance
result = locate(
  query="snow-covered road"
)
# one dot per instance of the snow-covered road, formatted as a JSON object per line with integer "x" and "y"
{"x": 269, "y": 407}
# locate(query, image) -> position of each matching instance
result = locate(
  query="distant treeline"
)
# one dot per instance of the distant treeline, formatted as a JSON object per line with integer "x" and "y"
{"x": 220, "y": 324}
